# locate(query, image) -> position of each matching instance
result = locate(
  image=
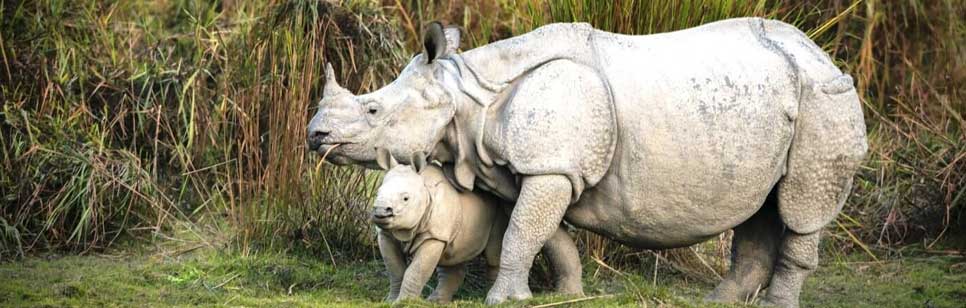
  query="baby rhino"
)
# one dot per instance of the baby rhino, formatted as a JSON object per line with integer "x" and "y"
{"x": 423, "y": 218}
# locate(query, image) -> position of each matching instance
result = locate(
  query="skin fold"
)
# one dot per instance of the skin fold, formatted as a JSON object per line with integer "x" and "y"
{"x": 655, "y": 141}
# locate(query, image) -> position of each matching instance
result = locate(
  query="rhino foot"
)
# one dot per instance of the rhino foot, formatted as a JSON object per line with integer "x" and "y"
{"x": 436, "y": 298}
{"x": 501, "y": 292}
{"x": 725, "y": 292}
{"x": 774, "y": 302}
{"x": 570, "y": 287}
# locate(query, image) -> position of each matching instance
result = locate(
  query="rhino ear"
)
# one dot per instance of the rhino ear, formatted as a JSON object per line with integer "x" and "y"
{"x": 434, "y": 41}
{"x": 384, "y": 159}
{"x": 419, "y": 161}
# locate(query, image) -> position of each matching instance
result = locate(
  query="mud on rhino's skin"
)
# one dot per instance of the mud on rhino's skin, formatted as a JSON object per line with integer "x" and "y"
{"x": 421, "y": 216}
{"x": 655, "y": 141}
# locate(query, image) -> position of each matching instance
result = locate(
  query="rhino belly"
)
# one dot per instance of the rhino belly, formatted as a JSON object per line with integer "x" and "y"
{"x": 674, "y": 182}
{"x": 705, "y": 123}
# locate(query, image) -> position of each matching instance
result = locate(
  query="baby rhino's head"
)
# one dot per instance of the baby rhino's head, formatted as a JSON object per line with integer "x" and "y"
{"x": 401, "y": 200}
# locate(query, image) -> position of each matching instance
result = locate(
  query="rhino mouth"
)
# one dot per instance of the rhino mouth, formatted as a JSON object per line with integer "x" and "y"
{"x": 381, "y": 220}
{"x": 327, "y": 147}
{"x": 331, "y": 144}
{"x": 382, "y": 217}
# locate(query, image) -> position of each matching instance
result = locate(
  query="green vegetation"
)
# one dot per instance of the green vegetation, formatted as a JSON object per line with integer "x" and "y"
{"x": 180, "y": 123}
{"x": 215, "y": 279}
{"x": 132, "y": 117}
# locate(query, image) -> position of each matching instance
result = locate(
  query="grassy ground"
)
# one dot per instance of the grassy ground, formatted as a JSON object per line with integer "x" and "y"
{"x": 204, "y": 278}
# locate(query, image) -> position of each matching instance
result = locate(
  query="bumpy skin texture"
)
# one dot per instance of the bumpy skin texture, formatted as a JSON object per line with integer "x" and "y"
{"x": 437, "y": 227}
{"x": 543, "y": 201}
{"x": 655, "y": 141}
{"x": 345, "y": 129}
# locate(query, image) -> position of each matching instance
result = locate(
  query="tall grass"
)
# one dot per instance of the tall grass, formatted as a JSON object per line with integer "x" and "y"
{"x": 908, "y": 58}
{"x": 133, "y": 118}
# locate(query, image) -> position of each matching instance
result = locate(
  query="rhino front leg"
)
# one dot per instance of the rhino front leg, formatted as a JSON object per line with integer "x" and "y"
{"x": 392, "y": 256}
{"x": 538, "y": 212}
{"x": 562, "y": 254}
{"x": 798, "y": 259}
{"x": 420, "y": 269}
{"x": 450, "y": 279}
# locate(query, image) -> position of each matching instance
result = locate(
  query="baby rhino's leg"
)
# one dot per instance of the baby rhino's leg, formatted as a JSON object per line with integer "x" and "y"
{"x": 492, "y": 265}
{"x": 392, "y": 256}
{"x": 424, "y": 261}
{"x": 450, "y": 279}
{"x": 494, "y": 245}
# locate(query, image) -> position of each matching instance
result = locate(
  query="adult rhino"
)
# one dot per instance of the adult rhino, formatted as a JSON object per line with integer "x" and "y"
{"x": 654, "y": 141}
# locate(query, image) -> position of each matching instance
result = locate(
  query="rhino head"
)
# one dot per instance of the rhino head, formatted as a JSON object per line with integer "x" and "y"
{"x": 403, "y": 198}
{"x": 407, "y": 116}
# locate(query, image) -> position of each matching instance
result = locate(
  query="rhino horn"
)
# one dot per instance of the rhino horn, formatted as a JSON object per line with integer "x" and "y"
{"x": 332, "y": 87}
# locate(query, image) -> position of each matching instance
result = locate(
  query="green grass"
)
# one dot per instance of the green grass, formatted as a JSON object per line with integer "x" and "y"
{"x": 205, "y": 278}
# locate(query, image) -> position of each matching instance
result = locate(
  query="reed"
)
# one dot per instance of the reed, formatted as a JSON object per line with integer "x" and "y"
{"x": 128, "y": 117}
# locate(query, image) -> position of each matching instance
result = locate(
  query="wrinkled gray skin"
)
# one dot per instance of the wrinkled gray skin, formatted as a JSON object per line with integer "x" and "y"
{"x": 357, "y": 124}
{"x": 655, "y": 141}
{"x": 421, "y": 216}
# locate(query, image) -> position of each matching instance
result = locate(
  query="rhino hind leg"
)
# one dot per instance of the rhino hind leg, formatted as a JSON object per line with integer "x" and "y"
{"x": 798, "y": 254}
{"x": 798, "y": 259}
{"x": 561, "y": 253}
{"x": 450, "y": 279}
{"x": 828, "y": 147}
{"x": 754, "y": 249}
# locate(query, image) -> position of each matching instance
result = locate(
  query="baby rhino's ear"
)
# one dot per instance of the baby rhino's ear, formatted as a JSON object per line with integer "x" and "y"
{"x": 419, "y": 161}
{"x": 384, "y": 159}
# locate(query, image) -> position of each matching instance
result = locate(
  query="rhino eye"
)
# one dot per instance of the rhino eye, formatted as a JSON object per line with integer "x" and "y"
{"x": 372, "y": 109}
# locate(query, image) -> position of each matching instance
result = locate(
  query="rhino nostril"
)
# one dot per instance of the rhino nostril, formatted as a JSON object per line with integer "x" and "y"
{"x": 318, "y": 134}
{"x": 383, "y": 212}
